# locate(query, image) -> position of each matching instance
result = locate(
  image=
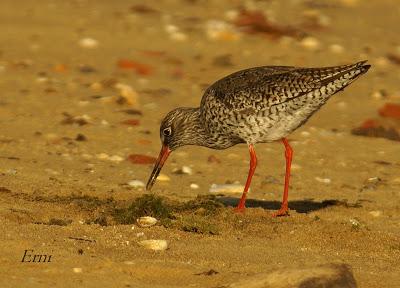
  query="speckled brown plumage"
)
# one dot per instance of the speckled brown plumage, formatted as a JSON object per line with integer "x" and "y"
{"x": 261, "y": 104}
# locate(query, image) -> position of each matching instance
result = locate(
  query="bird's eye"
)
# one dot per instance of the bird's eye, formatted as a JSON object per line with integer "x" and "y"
{"x": 167, "y": 131}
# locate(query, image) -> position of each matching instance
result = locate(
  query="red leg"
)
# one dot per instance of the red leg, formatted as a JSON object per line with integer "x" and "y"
{"x": 253, "y": 165}
{"x": 288, "y": 155}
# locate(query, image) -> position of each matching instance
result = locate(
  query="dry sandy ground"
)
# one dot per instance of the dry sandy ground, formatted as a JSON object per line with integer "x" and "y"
{"x": 45, "y": 173}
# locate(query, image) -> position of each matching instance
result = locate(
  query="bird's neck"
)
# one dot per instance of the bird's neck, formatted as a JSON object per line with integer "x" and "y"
{"x": 199, "y": 133}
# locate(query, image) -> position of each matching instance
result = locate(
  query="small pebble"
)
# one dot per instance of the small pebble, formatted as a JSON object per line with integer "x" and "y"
{"x": 156, "y": 245}
{"x": 305, "y": 134}
{"x": 194, "y": 186}
{"x": 136, "y": 184}
{"x": 379, "y": 94}
{"x": 295, "y": 166}
{"x": 77, "y": 270}
{"x": 376, "y": 213}
{"x": 184, "y": 170}
{"x": 323, "y": 180}
{"x": 310, "y": 43}
{"x": 226, "y": 188}
{"x": 146, "y": 221}
{"x": 163, "y": 177}
{"x": 103, "y": 156}
{"x": 221, "y": 30}
{"x": 127, "y": 95}
{"x": 116, "y": 158}
{"x": 171, "y": 28}
{"x": 336, "y": 48}
{"x": 88, "y": 43}
{"x": 355, "y": 223}
{"x": 231, "y": 15}
{"x": 178, "y": 36}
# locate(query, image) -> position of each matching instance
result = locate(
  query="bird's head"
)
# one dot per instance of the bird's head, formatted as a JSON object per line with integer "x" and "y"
{"x": 179, "y": 127}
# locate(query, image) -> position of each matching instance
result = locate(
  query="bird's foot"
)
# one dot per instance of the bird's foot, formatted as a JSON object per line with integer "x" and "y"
{"x": 284, "y": 211}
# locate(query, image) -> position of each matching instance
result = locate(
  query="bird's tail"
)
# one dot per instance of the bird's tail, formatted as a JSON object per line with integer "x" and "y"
{"x": 342, "y": 76}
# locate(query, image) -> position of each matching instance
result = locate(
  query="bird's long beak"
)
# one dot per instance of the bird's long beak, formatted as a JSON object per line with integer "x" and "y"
{"x": 164, "y": 153}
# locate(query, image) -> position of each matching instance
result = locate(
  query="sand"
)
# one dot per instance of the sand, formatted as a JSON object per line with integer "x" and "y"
{"x": 67, "y": 129}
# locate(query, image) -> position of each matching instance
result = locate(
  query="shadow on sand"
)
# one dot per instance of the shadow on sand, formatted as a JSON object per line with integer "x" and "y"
{"x": 300, "y": 206}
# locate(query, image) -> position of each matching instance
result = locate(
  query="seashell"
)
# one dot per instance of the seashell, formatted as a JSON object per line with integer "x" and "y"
{"x": 184, "y": 170}
{"x": 89, "y": 43}
{"x": 323, "y": 180}
{"x": 136, "y": 184}
{"x": 226, "y": 188}
{"x": 156, "y": 245}
{"x": 163, "y": 177}
{"x": 310, "y": 43}
{"x": 146, "y": 221}
{"x": 194, "y": 186}
{"x": 375, "y": 213}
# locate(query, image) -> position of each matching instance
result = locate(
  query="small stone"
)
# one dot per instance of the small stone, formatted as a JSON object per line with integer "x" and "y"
{"x": 127, "y": 95}
{"x": 194, "y": 186}
{"x": 156, "y": 245}
{"x": 376, "y": 213}
{"x": 163, "y": 177}
{"x": 184, "y": 170}
{"x": 226, "y": 188}
{"x": 310, "y": 43}
{"x": 336, "y": 48}
{"x": 77, "y": 270}
{"x": 102, "y": 156}
{"x": 80, "y": 137}
{"x": 323, "y": 180}
{"x": 136, "y": 184}
{"x": 116, "y": 158}
{"x": 221, "y": 30}
{"x": 88, "y": 43}
{"x": 295, "y": 166}
{"x": 178, "y": 36}
{"x": 171, "y": 28}
{"x": 305, "y": 134}
{"x": 83, "y": 103}
{"x": 355, "y": 223}
{"x": 146, "y": 221}
{"x": 213, "y": 159}
{"x": 96, "y": 86}
{"x": 379, "y": 94}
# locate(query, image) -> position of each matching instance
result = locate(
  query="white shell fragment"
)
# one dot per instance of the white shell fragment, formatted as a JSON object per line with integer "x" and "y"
{"x": 194, "y": 186}
{"x": 77, "y": 270}
{"x": 310, "y": 43}
{"x": 136, "y": 184}
{"x": 146, "y": 221}
{"x": 323, "y": 180}
{"x": 163, "y": 177}
{"x": 156, "y": 245}
{"x": 89, "y": 43}
{"x": 184, "y": 170}
{"x": 226, "y": 188}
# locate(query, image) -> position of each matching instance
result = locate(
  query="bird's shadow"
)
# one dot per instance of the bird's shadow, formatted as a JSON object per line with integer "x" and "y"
{"x": 300, "y": 206}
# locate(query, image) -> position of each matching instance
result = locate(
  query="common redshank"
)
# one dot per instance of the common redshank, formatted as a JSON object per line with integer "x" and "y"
{"x": 255, "y": 105}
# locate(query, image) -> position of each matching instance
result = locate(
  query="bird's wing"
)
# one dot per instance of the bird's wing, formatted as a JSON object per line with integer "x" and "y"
{"x": 252, "y": 88}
